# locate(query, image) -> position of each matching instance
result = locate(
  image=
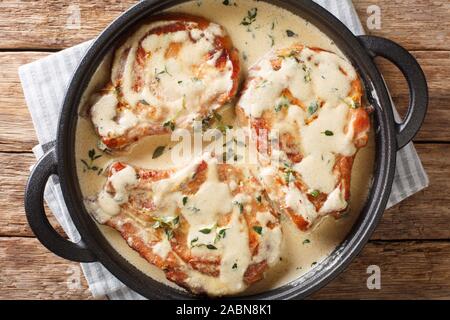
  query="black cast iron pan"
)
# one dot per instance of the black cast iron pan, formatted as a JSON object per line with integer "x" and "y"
{"x": 390, "y": 136}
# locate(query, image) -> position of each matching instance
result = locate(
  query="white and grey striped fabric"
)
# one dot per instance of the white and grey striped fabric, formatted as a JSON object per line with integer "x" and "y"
{"x": 44, "y": 83}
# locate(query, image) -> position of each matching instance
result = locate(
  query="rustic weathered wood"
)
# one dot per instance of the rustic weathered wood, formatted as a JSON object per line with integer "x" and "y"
{"x": 415, "y": 24}
{"x": 17, "y": 133}
{"x": 29, "y": 271}
{"x": 436, "y": 66}
{"x": 425, "y": 215}
{"x": 408, "y": 270}
{"x": 16, "y": 128}
{"x": 29, "y": 24}
{"x": 418, "y": 217}
{"x": 13, "y": 178}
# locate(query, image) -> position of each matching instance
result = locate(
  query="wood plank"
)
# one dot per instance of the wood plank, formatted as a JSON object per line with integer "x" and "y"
{"x": 51, "y": 26}
{"x": 16, "y": 128}
{"x": 419, "y": 216}
{"x": 425, "y": 215}
{"x": 13, "y": 178}
{"x": 14, "y": 137}
{"x": 409, "y": 270}
{"x": 436, "y": 66}
{"x": 415, "y": 24}
{"x": 29, "y": 271}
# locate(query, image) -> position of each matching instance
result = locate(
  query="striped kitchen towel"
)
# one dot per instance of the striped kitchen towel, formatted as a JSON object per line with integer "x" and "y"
{"x": 44, "y": 83}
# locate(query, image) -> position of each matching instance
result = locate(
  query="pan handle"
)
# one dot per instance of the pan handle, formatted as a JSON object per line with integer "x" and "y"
{"x": 418, "y": 89}
{"x": 38, "y": 221}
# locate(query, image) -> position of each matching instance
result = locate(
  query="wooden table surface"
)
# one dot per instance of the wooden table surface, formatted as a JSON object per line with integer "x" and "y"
{"x": 412, "y": 243}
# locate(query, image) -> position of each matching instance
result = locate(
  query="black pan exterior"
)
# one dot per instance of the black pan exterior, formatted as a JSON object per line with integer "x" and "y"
{"x": 64, "y": 162}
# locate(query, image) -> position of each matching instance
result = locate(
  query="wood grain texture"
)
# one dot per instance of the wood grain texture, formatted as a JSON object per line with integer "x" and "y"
{"x": 415, "y": 24}
{"x": 409, "y": 270}
{"x": 16, "y": 128}
{"x": 13, "y": 178}
{"x": 29, "y": 271}
{"x": 29, "y": 24}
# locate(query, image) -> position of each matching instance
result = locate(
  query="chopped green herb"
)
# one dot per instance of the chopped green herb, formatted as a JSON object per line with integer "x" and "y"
{"x": 290, "y": 33}
{"x": 180, "y": 82}
{"x": 205, "y": 230}
{"x": 313, "y": 264}
{"x": 211, "y": 247}
{"x": 258, "y": 198}
{"x": 306, "y": 241}
{"x": 194, "y": 209}
{"x": 289, "y": 174}
{"x": 144, "y": 102}
{"x": 223, "y": 128}
{"x": 158, "y": 152}
{"x": 92, "y": 155}
{"x": 194, "y": 241}
{"x": 217, "y": 115}
{"x": 313, "y": 107}
{"x": 328, "y": 133}
{"x": 234, "y": 266}
{"x": 90, "y": 165}
{"x": 262, "y": 84}
{"x": 283, "y": 102}
{"x": 169, "y": 124}
{"x": 307, "y": 70}
{"x": 257, "y": 229}
{"x": 169, "y": 233}
{"x": 206, "y": 122}
{"x": 185, "y": 199}
{"x": 166, "y": 223}
{"x": 166, "y": 71}
{"x": 222, "y": 233}
{"x": 240, "y": 205}
{"x": 101, "y": 146}
{"x": 272, "y": 40}
{"x": 315, "y": 193}
{"x": 250, "y": 18}
{"x": 229, "y": 3}
{"x": 351, "y": 103}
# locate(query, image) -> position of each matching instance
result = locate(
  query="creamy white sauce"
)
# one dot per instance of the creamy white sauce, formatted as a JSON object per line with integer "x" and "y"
{"x": 318, "y": 118}
{"x": 110, "y": 198}
{"x": 310, "y": 76}
{"x": 162, "y": 248}
{"x": 297, "y": 256}
{"x": 176, "y": 87}
{"x": 316, "y": 171}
